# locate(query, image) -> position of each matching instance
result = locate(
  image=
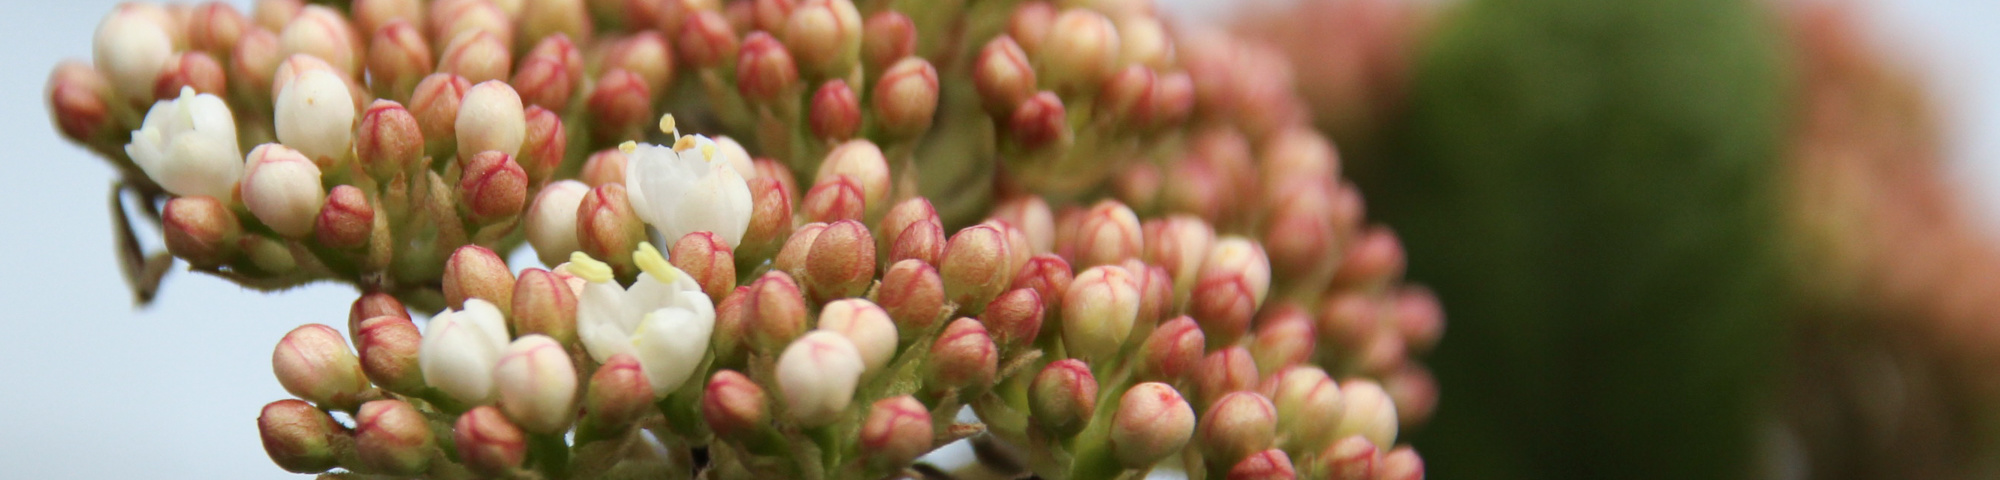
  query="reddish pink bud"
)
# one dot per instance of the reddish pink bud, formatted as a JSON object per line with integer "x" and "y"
{"x": 964, "y": 357}
{"x": 618, "y": 393}
{"x": 476, "y": 272}
{"x": 1063, "y": 397}
{"x": 1348, "y": 322}
{"x": 193, "y": 69}
{"x": 841, "y": 263}
{"x": 371, "y": 15}
{"x": 201, "y": 230}
{"x": 1419, "y": 318}
{"x": 861, "y": 161}
{"x": 836, "y": 111}
{"x": 1173, "y": 99}
{"x": 371, "y": 305}
{"x": 544, "y": 304}
{"x": 1351, "y": 458}
{"x": 493, "y": 187}
{"x": 1152, "y": 421}
{"x": 1109, "y": 234}
{"x": 550, "y": 73}
{"x": 607, "y": 229}
{"x": 792, "y": 258}
{"x": 1415, "y": 393}
{"x": 707, "y": 40}
{"x": 1383, "y": 353}
{"x": 835, "y": 199}
{"x": 389, "y": 140}
{"x": 732, "y": 318}
{"x": 346, "y": 220}
{"x": 1015, "y": 318}
{"x": 777, "y": 312}
{"x": 478, "y": 56}
{"x": 398, "y": 58}
{"x": 1237, "y": 425}
{"x": 734, "y": 406}
{"x": 488, "y": 443}
{"x": 974, "y": 266}
{"x": 1222, "y": 372}
{"x": 298, "y": 437}
{"x": 391, "y": 437}
{"x": 1128, "y": 96}
{"x": 1049, "y": 276}
{"x": 388, "y": 345}
{"x": 544, "y": 146}
{"x": 887, "y": 36}
{"x": 606, "y": 166}
{"x": 215, "y": 27}
{"x": 1270, "y": 464}
{"x": 1173, "y": 351}
{"x": 621, "y": 107}
{"x": 77, "y": 96}
{"x": 1030, "y": 24}
{"x": 906, "y": 97}
{"x": 435, "y": 104}
{"x": 913, "y": 294}
{"x": 254, "y": 64}
{"x": 313, "y": 363}
{"x": 896, "y": 432}
{"x": 1403, "y": 463}
{"x": 1284, "y": 337}
{"x": 1197, "y": 190}
{"x": 1375, "y": 260}
{"x": 1301, "y": 234}
{"x": 770, "y": 15}
{"x": 1230, "y": 288}
{"x": 707, "y": 259}
{"x": 1156, "y": 294}
{"x": 825, "y": 35}
{"x": 646, "y": 54}
{"x": 1040, "y": 121}
{"x": 1003, "y": 76}
{"x": 770, "y": 216}
{"x": 772, "y": 169}
{"x": 764, "y": 69}
{"x": 917, "y": 220}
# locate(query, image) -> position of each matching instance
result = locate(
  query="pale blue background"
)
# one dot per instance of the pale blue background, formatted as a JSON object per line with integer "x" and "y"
{"x": 91, "y": 387}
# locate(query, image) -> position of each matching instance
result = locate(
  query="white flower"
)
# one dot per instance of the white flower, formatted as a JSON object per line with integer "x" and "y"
{"x": 664, "y": 320}
{"x": 688, "y": 188}
{"x": 817, "y": 374}
{"x": 461, "y": 350}
{"x": 188, "y": 145}
{"x": 281, "y": 188}
{"x": 315, "y": 114}
{"x": 552, "y": 220}
{"x": 865, "y": 324}
{"x": 537, "y": 384}
{"x": 132, "y": 46}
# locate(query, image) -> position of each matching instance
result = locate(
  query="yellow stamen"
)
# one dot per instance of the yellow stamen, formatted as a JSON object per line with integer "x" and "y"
{"x": 684, "y": 143}
{"x": 588, "y": 269}
{"x": 708, "y": 151}
{"x": 667, "y": 125}
{"x": 628, "y": 147}
{"x": 653, "y": 263}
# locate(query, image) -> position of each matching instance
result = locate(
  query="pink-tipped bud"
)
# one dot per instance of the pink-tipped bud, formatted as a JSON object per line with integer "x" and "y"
{"x": 452, "y": 19}
{"x": 605, "y": 166}
{"x": 865, "y": 324}
{"x": 1419, "y": 318}
{"x": 792, "y": 258}
{"x": 906, "y": 97}
{"x": 215, "y": 27}
{"x": 201, "y": 230}
{"x": 734, "y": 406}
{"x": 313, "y": 363}
{"x": 1098, "y": 312}
{"x": 346, "y": 221}
{"x": 646, "y": 54}
{"x": 1081, "y": 50}
{"x": 398, "y": 57}
{"x": 372, "y": 15}
{"x": 1237, "y": 425}
{"x": 254, "y": 64}
{"x": 544, "y": 147}
{"x": 1231, "y": 286}
{"x": 706, "y": 258}
{"x": 974, "y": 266}
{"x": 1152, "y": 422}
{"x": 1040, "y": 121}
{"x": 1173, "y": 351}
{"x": 963, "y": 357}
{"x": 1370, "y": 413}
{"x": 732, "y": 323}
{"x": 770, "y": 216}
{"x": 1302, "y": 233}
{"x": 707, "y": 40}
{"x": 537, "y": 385}
{"x": 388, "y": 345}
{"x": 1003, "y": 76}
{"x": 322, "y": 32}
{"x": 1375, "y": 259}
{"x": 1108, "y": 234}
{"x": 1272, "y": 464}
{"x": 916, "y": 220}
{"x": 197, "y": 70}
{"x": 493, "y": 187}
{"x": 607, "y": 229}
{"x": 78, "y": 100}
{"x": 1284, "y": 338}
{"x": 541, "y": 20}
{"x": 1403, "y": 463}
{"x": 1180, "y": 244}
{"x": 896, "y": 432}
{"x": 298, "y": 437}
{"x": 1223, "y": 372}
{"x": 618, "y": 393}
{"x": 887, "y": 36}
{"x": 1128, "y": 96}
{"x": 817, "y": 376}
{"x": 764, "y": 68}
{"x": 914, "y": 295}
{"x": 371, "y": 305}
{"x": 389, "y": 141}
{"x": 1063, "y": 397}
{"x": 1415, "y": 393}
{"x": 1348, "y": 322}
{"x": 1032, "y": 216}
{"x": 491, "y": 117}
{"x": 836, "y": 111}
{"x": 1049, "y": 276}
{"x": 1156, "y": 294}
{"x": 475, "y": 272}
{"x": 620, "y": 107}
{"x": 1015, "y": 318}
{"x": 1350, "y": 458}
{"x": 1297, "y": 154}
{"x": 550, "y": 73}
{"x": 1173, "y": 99}
{"x": 1029, "y": 25}
{"x": 392, "y": 437}
{"x": 777, "y": 312}
{"x": 436, "y": 103}
{"x": 281, "y": 187}
{"x": 544, "y": 304}
{"x": 835, "y": 199}
{"x": 863, "y": 162}
{"x": 274, "y": 14}
{"x": 825, "y": 35}
{"x": 770, "y": 15}
{"x": 1308, "y": 400}
{"x": 488, "y": 443}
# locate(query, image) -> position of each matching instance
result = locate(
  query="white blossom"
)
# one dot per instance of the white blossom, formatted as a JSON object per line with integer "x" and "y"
{"x": 188, "y": 145}
{"x": 664, "y": 320}
{"x": 688, "y": 188}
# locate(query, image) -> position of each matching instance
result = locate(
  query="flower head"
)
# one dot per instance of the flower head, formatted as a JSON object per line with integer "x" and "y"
{"x": 689, "y": 187}
{"x": 188, "y": 145}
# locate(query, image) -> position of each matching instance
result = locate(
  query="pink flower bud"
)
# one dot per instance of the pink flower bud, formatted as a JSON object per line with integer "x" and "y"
{"x": 792, "y": 258}
{"x": 963, "y": 357}
{"x": 196, "y": 70}
{"x": 1237, "y": 425}
{"x": 1029, "y": 25}
{"x": 865, "y": 324}
{"x": 896, "y": 432}
{"x": 1003, "y": 76}
{"x": 1098, "y": 312}
{"x": 1223, "y": 372}
{"x": 1369, "y": 413}
{"x": 77, "y": 101}
{"x": 215, "y": 27}
{"x": 1143, "y": 40}
{"x": 544, "y": 304}
{"x": 764, "y": 68}
{"x": 887, "y": 36}
{"x": 313, "y": 363}
{"x": 1032, "y": 216}
{"x": 1018, "y": 250}
{"x": 770, "y": 216}
{"x": 1403, "y": 463}
{"x": 1414, "y": 392}
{"x": 274, "y": 14}
{"x": 1048, "y": 275}
{"x": 620, "y": 106}
{"x": 1156, "y": 294}
{"x": 475, "y": 272}
{"x": 1419, "y": 318}
{"x": 451, "y": 19}
{"x": 389, "y": 140}
{"x": 842, "y": 261}
{"x": 706, "y": 258}
{"x": 1040, "y": 121}
{"x": 1063, "y": 397}
{"x": 322, "y": 32}
{"x": 1108, "y": 234}
{"x": 618, "y": 393}
{"x": 734, "y": 406}
{"x": 550, "y": 73}
{"x": 770, "y": 15}
{"x": 1270, "y": 464}
{"x": 974, "y": 266}
{"x": 488, "y": 443}
{"x": 1301, "y": 234}
{"x": 254, "y": 62}
{"x": 371, "y": 15}
{"x": 398, "y": 57}
{"x": 836, "y": 111}
{"x": 298, "y": 437}
{"x": 1349, "y": 321}
{"x": 391, "y": 437}
{"x": 906, "y": 97}
{"x": 825, "y": 35}
{"x": 281, "y": 188}
{"x": 133, "y": 43}
{"x": 916, "y": 219}
{"x": 1151, "y": 423}
{"x": 1308, "y": 401}
{"x": 1230, "y": 288}
{"x": 607, "y": 166}
{"x": 863, "y": 162}
{"x": 1350, "y": 458}
{"x": 777, "y": 312}
{"x": 732, "y": 319}
{"x": 707, "y": 40}
{"x": 646, "y": 54}
{"x": 493, "y": 187}
{"x": 546, "y": 19}
{"x": 606, "y": 227}
{"x": 1015, "y": 318}
{"x": 491, "y": 118}
{"x": 1081, "y": 50}
{"x": 435, "y": 103}
{"x": 913, "y": 294}
{"x": 389, "y": 345}
{"x": 537, "y": 385}
{"x": 835, "y": 199}
{"x": 371, "y": 305}
{"x": 200, "y": 230}
{"x": 817, "y": 375}
{"x": 544, "y": 147}
{"x": 1128, "y": 96}
{"x": 1173, "y": 351}
{"x": 1173, "y": 99}
{"x": 346, "y": 220}
{"x": 1375, "y": 259}
{"x": 1284, "y": 338}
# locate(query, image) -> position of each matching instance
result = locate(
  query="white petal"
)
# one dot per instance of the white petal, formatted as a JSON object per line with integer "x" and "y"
{"x": 600, "y": 313}
{"x": 670, "y": 345}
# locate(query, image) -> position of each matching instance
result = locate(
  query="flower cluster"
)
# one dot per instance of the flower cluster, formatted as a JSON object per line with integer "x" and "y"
{"x": 1114, "y": 241}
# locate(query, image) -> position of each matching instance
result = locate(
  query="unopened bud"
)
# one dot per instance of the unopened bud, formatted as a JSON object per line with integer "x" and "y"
{"x": 906, "y": 97}
{"x": 1180, "y": 244}
{"x": 706, "y": 258}
{"x": 1301, "y": 234}
{"x": 371, "y": 305}
{"x": 825, "y": 35}
{"x": 835, "y": 199}
{"x": 346, "y": 220}
{"x": 1128, "y": 96}
{"x": 196, "y": 70}
{"x": 389, "y": 141}
{"x": 544, "y": 304}
{"x": 1284, "y": 338}
{"x": 646, "y": 54}
{"x": 764, "y": 68}
{"x": 389, "y": 346}
{"x": 1403, "y": 463}
{"x": 1152, "y": 422}
{"x": 475, "y": 272}
{"x": 607, "y": 229}
{"x": 770, "y": 216}
{"x": 817, "y": 375}
{"x": 372, "y": 15}
{"x": 887, "y": 36}
{"x": 1236, "y": 426}
{"x": 1063, "y": 397}
{"x": 491, "y": 118}
{"x": 792, "y": 258}
{"x": 707, "y": 40}
{"x": 299, "y": 437}
{"x": 550, "y": 73}
{"x": 974, "y": 266}
{"x": 398, "y": 57}
{"x": 1173, "y": 99}
{"x": 1230, "y": 288}
{"x": 322, "y": 32}
{"x": 1223, "y": 372}
{"x": 253, "y": 64}
{"x": 1029, "y": 25}
{"x": 896, "y": 432}
{"x": 1350, "y": 458}
{"x": 1370, "y": 413}
{"x": 733, "y": 405}
{"x": 551, "y": 221}
{"x": 917, "y": 219}
{"x": 770, "y": 15}
{"x": 1349, "y": 321}
{"x": 1081, "y": 50}
{"x": 1108, "y": 235}
{"x": 618, "y": 393}
{"x": 1272, "y": 464}
{"x": 215, "y": 27}
{"x": 78, "y": 101}
{"x": 313, "y": 363}
{"x": 315, "y": 114}
{"x": 201, "y": 230}
{"x": 541, "y": 20}
{"x": 281, "y": 187}
{"x": 133, "y": 43}
{"x": 452, "y": 19}
{"x": 777, "y": 312}
{"x": 1156, "y": 294}
{"x": 1419, "y": 318}
{"x": 488, "y": 443}
{"x": 606, "y": 166}
{"x": 963, "y": 357}
{"x": 865, "y": 324}
{"x": 1308, "y": 400}
{"x": 914, "y": 296}
{"x": 1003, "y": 76}
{"x": 391, "y": 437}
{"x": 544, "y": 147}
{"x": 1048, "y": 275}
{"x": 863, "y": 162}
{"x": 274, "y": 14}
{"x": 1098, "y": 312}
{"x": 732, "y": 324}
{"x": 493, "y": 187}
{"x": 1375, "y": 259}
{"x": 836, "y": 111}
{"x": 537, "y": 385}
{"x": 1014, "y": 319}
{"x": 1173, "y": 351}
{"x": 1032, "y": 216}
{"x": 435, "y": 103}
{"x": 1414, "y": 392}
{"x": 620, "y": 106}
{"x": 1040, "y": 121}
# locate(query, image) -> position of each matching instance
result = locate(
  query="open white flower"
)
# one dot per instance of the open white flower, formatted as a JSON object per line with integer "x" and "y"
{"x": 462, "y": 348}
{"x": 188, "y": 145}
{"x": 664, "y": 320}
{"x": 688, "y": 188}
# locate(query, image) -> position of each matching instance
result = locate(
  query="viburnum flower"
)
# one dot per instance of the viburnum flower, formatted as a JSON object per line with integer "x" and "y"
{"x": 689, "y": 187}
{"x": 188, "y": 145}
{"x": 664, "y": 319}
{"x": 461, "y": 349}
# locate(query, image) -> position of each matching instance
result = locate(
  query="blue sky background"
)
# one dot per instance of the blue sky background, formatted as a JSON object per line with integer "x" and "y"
{"x": 92, "y": 387}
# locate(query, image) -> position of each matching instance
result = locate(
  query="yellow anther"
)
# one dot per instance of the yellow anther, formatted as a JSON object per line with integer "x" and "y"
{"x": 628, "y": 147}
{"x": 588, "y": 269}
{"x": 684, "y": 143}
{"x": 667, "y": 125}
{"x": 708, "y": 151}
{"x": 653, "y": 263}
